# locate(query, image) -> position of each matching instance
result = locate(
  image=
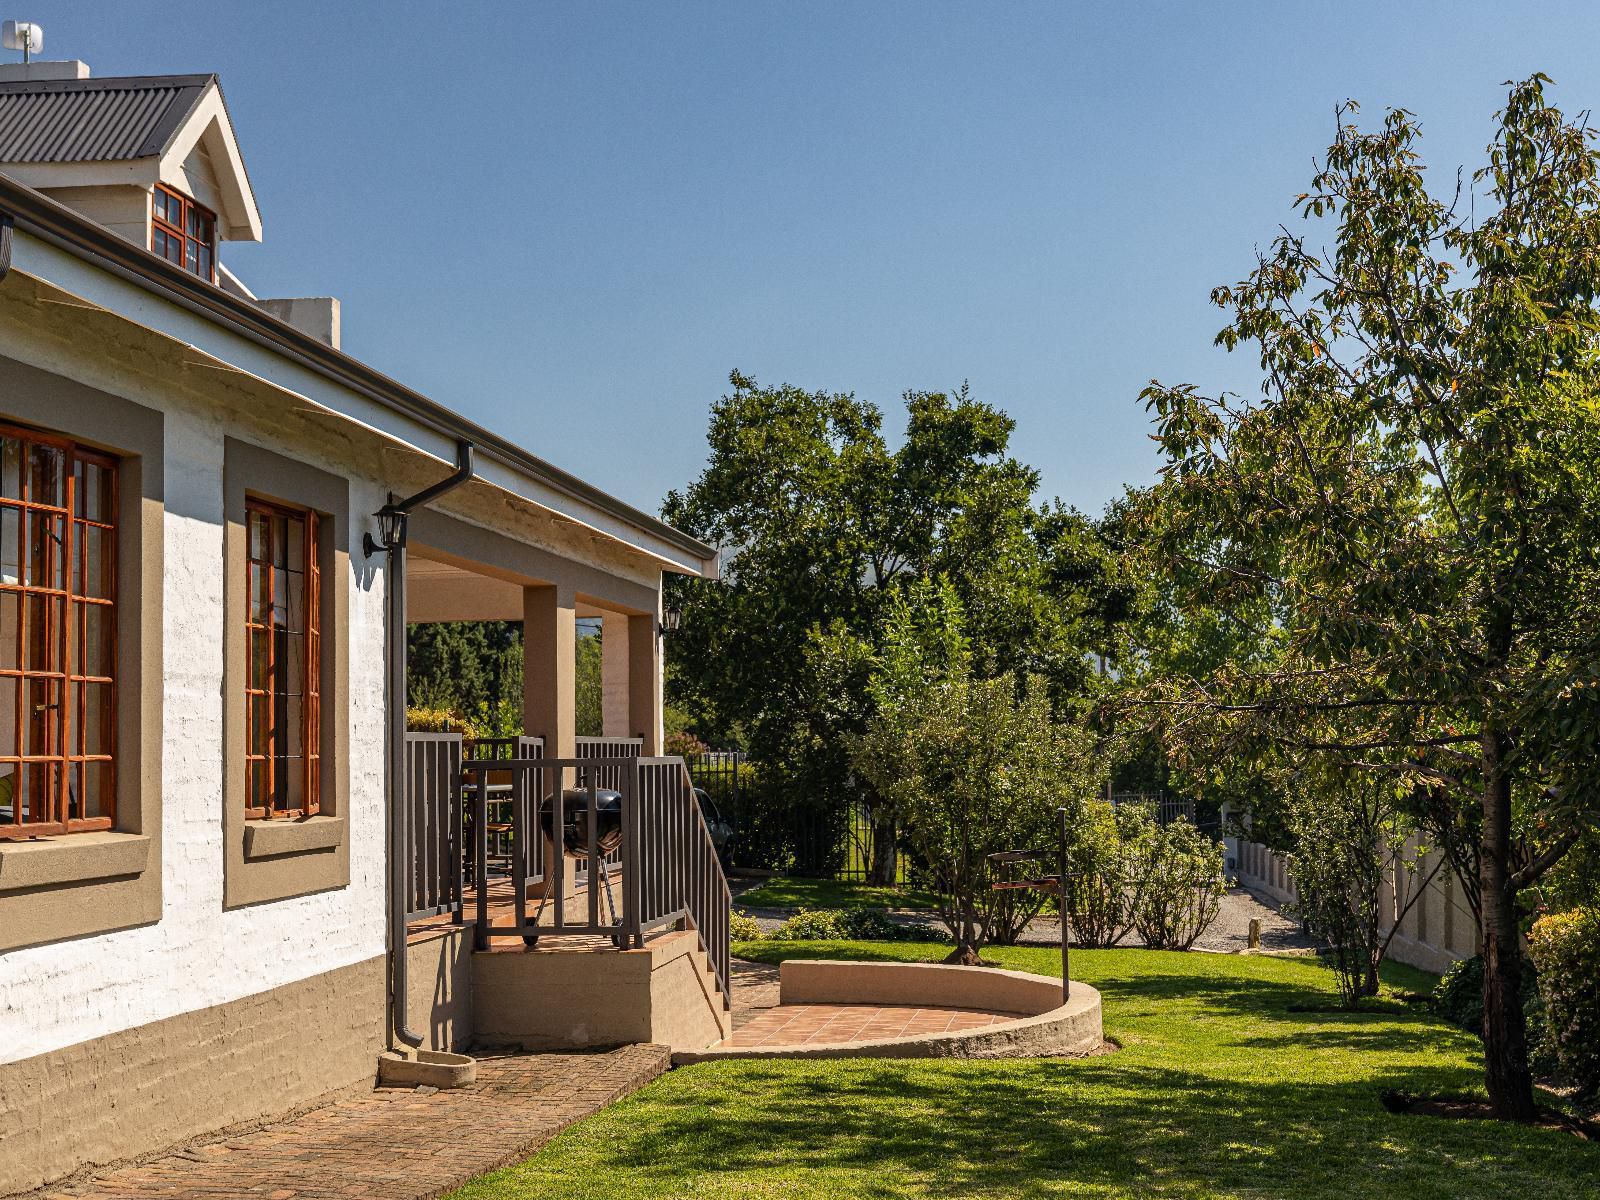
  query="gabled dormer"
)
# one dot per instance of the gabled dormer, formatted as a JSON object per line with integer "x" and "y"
{"x": 152, "y": 157}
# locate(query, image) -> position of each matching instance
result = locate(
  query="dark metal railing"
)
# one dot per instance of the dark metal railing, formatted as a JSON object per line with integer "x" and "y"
{"x": 608, "y": 776}
{"x": 671, "y": 871}
{"x": 433, "y": 811}
{"x": 670, "y": 874}
{"x": 615, "y": 748}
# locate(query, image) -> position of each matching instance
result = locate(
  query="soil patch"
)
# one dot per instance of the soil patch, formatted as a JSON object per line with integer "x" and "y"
{"x": 1471, "y": 1108}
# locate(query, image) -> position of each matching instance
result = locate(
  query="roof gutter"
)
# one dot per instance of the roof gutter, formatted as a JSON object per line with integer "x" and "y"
{"x": 52, "y": 222}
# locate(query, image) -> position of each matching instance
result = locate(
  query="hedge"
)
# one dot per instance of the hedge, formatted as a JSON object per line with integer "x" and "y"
{"x": 1566, "y": 949}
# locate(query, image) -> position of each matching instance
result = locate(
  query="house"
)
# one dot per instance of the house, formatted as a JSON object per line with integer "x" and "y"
{"x": 230, "y": 880}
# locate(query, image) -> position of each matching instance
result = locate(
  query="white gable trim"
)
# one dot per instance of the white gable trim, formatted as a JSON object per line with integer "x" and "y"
{"x": 208, "y": 125}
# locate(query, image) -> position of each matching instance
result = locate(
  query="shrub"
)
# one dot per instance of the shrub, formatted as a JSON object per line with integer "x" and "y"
{"x": 1340, "y": 844}
{"x": 742, "y": 928}
{"x": 853, "y": 925}
{"x": 1566, "y": 950}
{"x": 811, "y": 925}
{"x": 1101, "y": 892}
{"x": 435, "y": 720}
{"x": 685, "y": 745}
{"x": 1458, "y": 998}
{"x": 1180, "y": 883}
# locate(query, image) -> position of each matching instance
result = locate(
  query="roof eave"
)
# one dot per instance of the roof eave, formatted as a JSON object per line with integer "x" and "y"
{"x": 42, "y": 217}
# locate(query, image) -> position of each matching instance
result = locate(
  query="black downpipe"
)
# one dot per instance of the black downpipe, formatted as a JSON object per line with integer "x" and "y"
{"x": 392, "y": 526}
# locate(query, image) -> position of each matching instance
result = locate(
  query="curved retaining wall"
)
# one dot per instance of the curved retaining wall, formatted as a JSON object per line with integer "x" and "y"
{"x": 1044, "y": 1026}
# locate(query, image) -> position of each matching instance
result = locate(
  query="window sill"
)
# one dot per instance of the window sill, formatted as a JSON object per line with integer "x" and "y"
{"x": 274, "y": 839}
{"x": 72, "y": 858}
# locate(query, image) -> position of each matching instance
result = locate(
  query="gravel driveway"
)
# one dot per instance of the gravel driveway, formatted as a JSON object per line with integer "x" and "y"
{"x": 1229, "y": 933}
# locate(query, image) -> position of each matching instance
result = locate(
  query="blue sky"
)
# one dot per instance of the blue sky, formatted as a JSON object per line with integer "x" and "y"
{"x": 569, "y": 221}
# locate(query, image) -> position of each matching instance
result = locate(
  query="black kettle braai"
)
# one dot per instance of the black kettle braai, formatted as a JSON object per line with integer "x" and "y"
{"x": 575, "y": 820}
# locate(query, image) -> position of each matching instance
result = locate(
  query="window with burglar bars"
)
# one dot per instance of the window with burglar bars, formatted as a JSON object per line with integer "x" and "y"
{"x": 284, "y": 635}
{"x": 58, "y": 534}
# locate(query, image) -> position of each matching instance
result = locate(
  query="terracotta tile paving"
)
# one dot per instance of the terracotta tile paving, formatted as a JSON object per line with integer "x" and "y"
{"x": 799, "y": 1024}
{"x": 397, "y": 1144}
{"x": 502, "y": 909}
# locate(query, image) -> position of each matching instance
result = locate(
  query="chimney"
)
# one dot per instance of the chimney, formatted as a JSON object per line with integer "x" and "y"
{"x": 36, "y": 72}
{"x": 316, "y": 315}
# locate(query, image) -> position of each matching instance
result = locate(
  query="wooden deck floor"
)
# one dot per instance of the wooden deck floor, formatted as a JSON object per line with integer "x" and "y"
{"x": 502, "y": 910}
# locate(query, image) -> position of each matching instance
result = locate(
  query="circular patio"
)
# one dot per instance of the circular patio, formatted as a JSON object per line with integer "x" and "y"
{"x": 829, "y": 1009}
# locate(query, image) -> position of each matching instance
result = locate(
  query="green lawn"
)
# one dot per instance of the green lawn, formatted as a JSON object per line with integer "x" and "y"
{"x": 1220, "y": 1090}
{"x": 793, "y": 892}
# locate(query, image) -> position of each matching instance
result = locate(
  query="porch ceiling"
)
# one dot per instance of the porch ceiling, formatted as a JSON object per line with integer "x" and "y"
{"x": 442, "y": 591}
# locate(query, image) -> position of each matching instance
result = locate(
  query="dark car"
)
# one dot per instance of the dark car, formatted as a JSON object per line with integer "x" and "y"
{"x": 721, "y": 831}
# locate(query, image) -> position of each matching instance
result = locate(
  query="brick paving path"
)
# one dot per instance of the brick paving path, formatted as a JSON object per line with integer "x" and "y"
{"x": 798, "y": 1024}
{"x": 394, "y": 1144}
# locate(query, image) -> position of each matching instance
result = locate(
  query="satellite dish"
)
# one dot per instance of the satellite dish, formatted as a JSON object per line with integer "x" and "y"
{"x": 22, "y": 35}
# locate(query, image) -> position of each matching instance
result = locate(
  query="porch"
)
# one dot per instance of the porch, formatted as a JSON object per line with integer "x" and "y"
{"x": 561, "y": 890}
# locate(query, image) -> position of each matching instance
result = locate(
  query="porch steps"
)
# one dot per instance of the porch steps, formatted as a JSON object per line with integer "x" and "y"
{"x": 572, "y": 993}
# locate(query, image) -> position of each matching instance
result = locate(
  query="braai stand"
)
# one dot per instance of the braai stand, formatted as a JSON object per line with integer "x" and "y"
{"x": 1053, "y": 885}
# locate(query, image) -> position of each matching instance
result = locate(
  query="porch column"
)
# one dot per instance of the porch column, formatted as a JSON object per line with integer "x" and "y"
{"x": 549, "y": 656}
{"x": 549, "y": 695}
{"x": 644, "y": 682}
{"x": 615, "y": 650}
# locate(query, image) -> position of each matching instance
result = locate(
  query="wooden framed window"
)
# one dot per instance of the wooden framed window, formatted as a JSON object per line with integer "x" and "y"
{"x": 183, "y": 232}
{"x": 58, "y": 608}
{"x": 283, "y": 691}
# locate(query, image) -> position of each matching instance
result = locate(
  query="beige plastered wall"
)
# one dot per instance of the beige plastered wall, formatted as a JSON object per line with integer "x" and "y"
{"x": 559, "y": 999}
{"x": 1437, "y": 929}
{"x": 165, "y": 1081}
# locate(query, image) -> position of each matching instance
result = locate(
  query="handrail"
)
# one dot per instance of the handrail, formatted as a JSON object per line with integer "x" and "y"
{"x": 671, "y": 874}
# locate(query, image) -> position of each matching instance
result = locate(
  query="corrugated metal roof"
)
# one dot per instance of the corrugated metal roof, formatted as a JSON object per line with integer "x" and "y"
{"x": 94, "y": 120}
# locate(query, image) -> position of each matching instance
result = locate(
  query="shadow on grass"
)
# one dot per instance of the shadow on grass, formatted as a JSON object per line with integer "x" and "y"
{"x": 793, "y": 892}
{"x": 1017, "y": 1127}
{"x": 1220, "y": 1091}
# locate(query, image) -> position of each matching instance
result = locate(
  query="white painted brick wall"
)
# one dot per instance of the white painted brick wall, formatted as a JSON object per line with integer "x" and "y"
{"x": 199, "y": 955}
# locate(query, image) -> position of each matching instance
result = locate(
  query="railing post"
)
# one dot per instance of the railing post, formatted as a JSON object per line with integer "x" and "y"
{"x": 456, "y": 807}
{"x": 480, "y": 857}
{"x": 631, "y": 836}
{"x": 592, "y": 794}
{"x": 519, "y": 845}
{"x": 558, "y": 832}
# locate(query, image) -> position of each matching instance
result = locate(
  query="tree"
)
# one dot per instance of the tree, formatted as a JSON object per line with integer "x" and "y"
{"x": 972, "y": 766}
{"x": 464, "y": 667}
{"x": 1415, "y": 495}
{"x": 821, "y": 525}
{"x": 1346, "y": 842}
{"x": 473, "y": 669}
{"x": 587, "y": 689}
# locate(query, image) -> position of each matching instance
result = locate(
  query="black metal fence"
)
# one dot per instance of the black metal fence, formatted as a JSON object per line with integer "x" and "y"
{"x": 777, "y": 828}
{"x": 1164, "y": 808}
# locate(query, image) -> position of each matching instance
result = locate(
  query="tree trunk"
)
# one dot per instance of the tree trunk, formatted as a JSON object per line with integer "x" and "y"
{"x": 964, "y": 955}
{"x": 1505, "y": 1033}
{"x": 885, "y": 856}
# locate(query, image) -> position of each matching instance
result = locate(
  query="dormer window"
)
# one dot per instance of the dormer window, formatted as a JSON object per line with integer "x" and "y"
{"x": 184, "y": 233}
